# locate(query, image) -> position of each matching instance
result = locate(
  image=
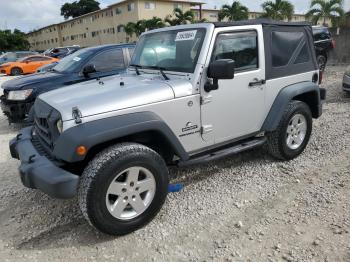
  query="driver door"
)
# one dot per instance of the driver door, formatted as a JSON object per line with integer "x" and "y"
{"x": 236, "y": 109}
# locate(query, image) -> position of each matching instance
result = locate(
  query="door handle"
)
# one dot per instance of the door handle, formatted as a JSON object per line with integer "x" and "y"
{"x": 257, "y": 82}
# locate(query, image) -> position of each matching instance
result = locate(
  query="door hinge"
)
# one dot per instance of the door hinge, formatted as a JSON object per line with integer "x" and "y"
{"x": 207, "y": 99}
{"x": 206, "y": 129}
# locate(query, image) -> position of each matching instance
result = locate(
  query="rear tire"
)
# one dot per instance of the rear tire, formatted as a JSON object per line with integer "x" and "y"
{"x": 123, "y": 188}
{"x": 322, "y": 62}
{"x": 293, "y": 132}
{"x": 16, "y": 71}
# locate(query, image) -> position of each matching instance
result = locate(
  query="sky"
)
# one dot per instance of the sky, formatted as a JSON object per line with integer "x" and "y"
{"x": 27, "y": 15}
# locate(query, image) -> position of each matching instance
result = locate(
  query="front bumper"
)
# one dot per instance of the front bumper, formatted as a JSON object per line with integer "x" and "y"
{"x": 16, "y": 111}
{"x": 346, "y": 83}
{"x": 38, "y": 171}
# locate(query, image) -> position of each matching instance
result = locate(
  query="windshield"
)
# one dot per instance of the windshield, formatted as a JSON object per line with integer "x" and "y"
{"x": 175, "y": 50}
{"x": 72, "y": 62}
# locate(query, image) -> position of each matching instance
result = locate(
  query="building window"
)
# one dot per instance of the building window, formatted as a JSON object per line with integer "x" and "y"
{"x": 120, "y": 29}
{"x": 131, "y": 7}
{"x": 118, "y": 11}
{"x": 150, "y": 5}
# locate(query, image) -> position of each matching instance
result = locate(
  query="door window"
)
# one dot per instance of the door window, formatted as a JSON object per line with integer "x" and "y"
{"x": 240, "y": 47}
{"x": 38, "y": 59}
{"x": 108, "y": 61}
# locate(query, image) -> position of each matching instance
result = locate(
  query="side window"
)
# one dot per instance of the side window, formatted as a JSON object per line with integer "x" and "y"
{"x": 288, "y": 48}
{"x": 108, "y": 61}
{"x": 240, "y": 47}
{"x": 38, "y": 59}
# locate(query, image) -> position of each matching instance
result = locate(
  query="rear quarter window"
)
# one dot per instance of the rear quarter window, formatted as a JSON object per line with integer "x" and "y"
{"x": 289, "y": 48}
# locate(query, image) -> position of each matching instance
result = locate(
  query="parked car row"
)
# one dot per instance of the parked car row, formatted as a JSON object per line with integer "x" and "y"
{"x": 14, "y": 56}
{"x": 83, "y": 65}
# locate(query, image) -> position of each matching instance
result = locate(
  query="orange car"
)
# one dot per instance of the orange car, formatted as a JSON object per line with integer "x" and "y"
{"x": 26, "y": 65}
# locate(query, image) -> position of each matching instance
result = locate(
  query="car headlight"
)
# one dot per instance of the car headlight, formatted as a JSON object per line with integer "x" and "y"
{"x": 59, "y": 125}
{"x": 19, "y": 95}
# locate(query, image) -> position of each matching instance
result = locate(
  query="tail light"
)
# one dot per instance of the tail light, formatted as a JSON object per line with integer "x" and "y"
{"x": 333, "y": 44}
{"x": 320, "y": 78}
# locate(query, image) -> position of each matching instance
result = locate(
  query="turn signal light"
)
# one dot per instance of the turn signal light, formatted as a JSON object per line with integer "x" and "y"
{"x": 81, "y": 150}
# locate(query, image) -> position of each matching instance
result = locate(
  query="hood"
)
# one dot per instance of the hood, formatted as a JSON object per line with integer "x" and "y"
{"x": 23, "y": 82}
{"x": 110, "y": 94}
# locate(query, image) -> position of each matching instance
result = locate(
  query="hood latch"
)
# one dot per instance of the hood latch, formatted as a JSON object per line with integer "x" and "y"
{"x": 76, "y": 114}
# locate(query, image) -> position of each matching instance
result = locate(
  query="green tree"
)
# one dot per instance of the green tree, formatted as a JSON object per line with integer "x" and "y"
{"x": 79, "y": 8}
{"x": 323, "y": 9}
{"x": 233, "y": 12}
{"x": 154, "y": 23}
{"x": 180, "y": 17}
{"x": 15, "y": 40}
{"x": 278, "y": 10}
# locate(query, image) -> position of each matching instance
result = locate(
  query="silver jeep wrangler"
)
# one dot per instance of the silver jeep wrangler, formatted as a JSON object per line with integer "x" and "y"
{"x": 192, "y": 94}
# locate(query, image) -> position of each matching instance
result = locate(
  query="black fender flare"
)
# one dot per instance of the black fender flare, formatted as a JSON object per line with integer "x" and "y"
{"x": 287, "y": 94}
{"x": 96, "y": 132}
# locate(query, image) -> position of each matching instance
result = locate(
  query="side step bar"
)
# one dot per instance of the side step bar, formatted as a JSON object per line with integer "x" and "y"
{"x": 238, "y": 148}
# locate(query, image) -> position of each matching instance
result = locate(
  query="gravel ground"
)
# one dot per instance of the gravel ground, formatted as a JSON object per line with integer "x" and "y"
{"x": 243, "y": 208}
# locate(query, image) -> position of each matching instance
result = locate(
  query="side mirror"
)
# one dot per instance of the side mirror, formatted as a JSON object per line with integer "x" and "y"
{"x": 219, "y": 69}
{"x": 89, "y": 69}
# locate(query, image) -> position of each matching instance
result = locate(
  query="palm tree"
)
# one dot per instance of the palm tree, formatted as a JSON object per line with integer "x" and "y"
{"x": 154, "y": 23}
{"x": 233, "y": 12}
{"x": 181, "y": 17}
{"x": 129, "y": 29}
{"x": 332, "y": 9}
{"x": 278, "y": 10}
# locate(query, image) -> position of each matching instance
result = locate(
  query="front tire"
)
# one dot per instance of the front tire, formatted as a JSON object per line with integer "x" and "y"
{"x": 123, "y": 188}
{"x": 293, "y": 132}
{"x": 16, "y": 71}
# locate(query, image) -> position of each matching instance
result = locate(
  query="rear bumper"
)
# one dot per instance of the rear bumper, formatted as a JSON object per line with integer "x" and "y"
{"x": 16, "y": 111}
{"x": 346, "y": 83}
{"x": 39, "y": 172}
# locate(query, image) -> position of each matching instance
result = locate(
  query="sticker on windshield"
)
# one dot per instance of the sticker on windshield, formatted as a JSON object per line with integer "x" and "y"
{"x": 186, "y": 35}
{"x": 77, "y": 58}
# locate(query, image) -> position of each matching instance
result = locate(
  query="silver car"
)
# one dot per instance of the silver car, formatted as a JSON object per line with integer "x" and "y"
{"x": 192, "y": 94}
{"x": 346, "y": 80}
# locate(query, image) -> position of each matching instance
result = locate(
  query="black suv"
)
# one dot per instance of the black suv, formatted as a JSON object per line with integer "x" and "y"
{"x": 323, "y": 44}
{"x": 84, "y": 65}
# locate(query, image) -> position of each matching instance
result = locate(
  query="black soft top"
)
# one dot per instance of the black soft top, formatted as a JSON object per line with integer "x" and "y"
{"x": 289, "y": 47}
{"x": 261, "y": 21}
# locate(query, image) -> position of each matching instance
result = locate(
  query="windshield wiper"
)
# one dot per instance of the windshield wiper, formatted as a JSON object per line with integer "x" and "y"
{"x": 136, "y": 68}
{"x": 161, "y": 70}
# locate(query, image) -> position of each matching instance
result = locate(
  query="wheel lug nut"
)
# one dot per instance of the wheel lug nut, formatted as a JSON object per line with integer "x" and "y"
{"x": 124, "y": 190}
{"x": 132, "y": 184}
{"x": 126, "y": 198}
{"x": 137, "y": 189}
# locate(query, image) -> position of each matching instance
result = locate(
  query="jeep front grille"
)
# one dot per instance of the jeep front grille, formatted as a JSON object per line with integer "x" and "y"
{"x": 45, "y": 119}
{"x": 42, "y": 129}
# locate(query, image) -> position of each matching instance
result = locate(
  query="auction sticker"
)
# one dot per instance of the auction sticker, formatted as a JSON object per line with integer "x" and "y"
{"x": 77, "y": 58}
{"x": 186, "y": 35}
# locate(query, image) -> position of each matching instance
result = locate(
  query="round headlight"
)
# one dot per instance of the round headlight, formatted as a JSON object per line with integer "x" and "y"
{"x": 59, "y": 125}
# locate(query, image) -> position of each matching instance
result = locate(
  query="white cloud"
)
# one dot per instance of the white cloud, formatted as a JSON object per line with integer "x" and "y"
{"x": 32, "y": 14}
